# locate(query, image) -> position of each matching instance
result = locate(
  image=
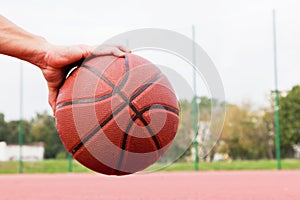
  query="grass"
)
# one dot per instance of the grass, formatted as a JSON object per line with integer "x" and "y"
{"x": 234, "y": 165}
{"x": 61, "y": 166}
{"x": 46, "y": 166}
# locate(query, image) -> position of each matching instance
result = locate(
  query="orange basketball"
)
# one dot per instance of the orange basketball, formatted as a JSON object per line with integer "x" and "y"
{"x": 116, "y": 115}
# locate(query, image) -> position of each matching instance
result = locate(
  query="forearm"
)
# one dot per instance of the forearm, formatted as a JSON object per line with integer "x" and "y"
{"x": 16, "y": 42}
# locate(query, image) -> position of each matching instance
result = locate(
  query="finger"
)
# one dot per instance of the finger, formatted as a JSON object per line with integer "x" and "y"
{"x": 123, "y": 48}
{"x": 100, "y": 50}
{"x": 108, "y": 50}
{"x": 118, "y": 52}
{"x": 87, "y": 50}
{"x": 52, "y": 99}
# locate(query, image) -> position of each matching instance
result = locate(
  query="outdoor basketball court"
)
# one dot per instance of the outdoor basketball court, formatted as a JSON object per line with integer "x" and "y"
{"x": 179, "y": 185}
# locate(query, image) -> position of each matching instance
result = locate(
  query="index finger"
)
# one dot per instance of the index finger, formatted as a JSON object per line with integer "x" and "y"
{"x": 123, "y": 48}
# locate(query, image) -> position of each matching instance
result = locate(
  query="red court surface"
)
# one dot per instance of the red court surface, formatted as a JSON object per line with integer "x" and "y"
{"x": 180, "y": 185}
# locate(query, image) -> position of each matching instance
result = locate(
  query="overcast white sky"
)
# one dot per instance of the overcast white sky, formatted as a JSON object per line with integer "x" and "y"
{"x": 236, "y": 34}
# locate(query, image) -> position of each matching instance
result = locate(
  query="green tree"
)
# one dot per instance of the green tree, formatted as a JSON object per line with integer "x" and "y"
{"x": 290, "y": 121}
{"x": 182, "y": 144}
{"x": 43, "y": 129}
{"x": 245, "y": 134}
{"x": 12, "y": 132}
{"x": 266, "y": 128}
{"x": 3, "y": 128}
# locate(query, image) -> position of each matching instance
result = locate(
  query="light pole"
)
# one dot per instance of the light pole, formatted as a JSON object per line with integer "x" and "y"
{"x": 20, "y": 167}
{"x": 277, "y": 123}
{"x": 195, "y": 109}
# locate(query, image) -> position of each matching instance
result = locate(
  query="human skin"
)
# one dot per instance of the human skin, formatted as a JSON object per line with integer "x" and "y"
{"x": 54, "y": 60}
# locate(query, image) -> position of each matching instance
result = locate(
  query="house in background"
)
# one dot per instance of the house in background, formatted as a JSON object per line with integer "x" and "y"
{"x": 31, "y": 152}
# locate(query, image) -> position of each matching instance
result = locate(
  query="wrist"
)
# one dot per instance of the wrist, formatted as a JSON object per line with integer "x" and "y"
{"x": 38, "y": 53}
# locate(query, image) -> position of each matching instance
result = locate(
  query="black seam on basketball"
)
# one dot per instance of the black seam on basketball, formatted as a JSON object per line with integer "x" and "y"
{"x": 90, "y": 58}
{"x": 123, "y": 146}
{"x": 160, "y": 106}
{"x": 152, "y": 134}
{"x": 93, "y": 132}
{"x": 156, "y": 107}
{"x": 84, "y": 140}
{"x": 84, "y": 101}
{"x": 93, "y": 100}
{"x": 148, "y": 84}
{"x": 116, "y": 88}
{"x": 135, "y": 95}
{"x": 117, "y": 91}
{"x": 99, "y": 75}
{"x": 138, "y": 115}
{"x": 125, "y": 136}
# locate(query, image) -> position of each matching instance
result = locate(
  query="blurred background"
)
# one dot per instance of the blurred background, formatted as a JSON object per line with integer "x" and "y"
{"x": 237, "y": 36}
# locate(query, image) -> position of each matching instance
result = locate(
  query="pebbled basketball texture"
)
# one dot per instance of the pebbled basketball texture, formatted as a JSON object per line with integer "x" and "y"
{"x": 116, "y": 115}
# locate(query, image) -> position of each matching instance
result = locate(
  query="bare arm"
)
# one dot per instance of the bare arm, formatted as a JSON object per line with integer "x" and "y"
{"x": 51, "y": 59}
{"x": 16, "y": 42}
